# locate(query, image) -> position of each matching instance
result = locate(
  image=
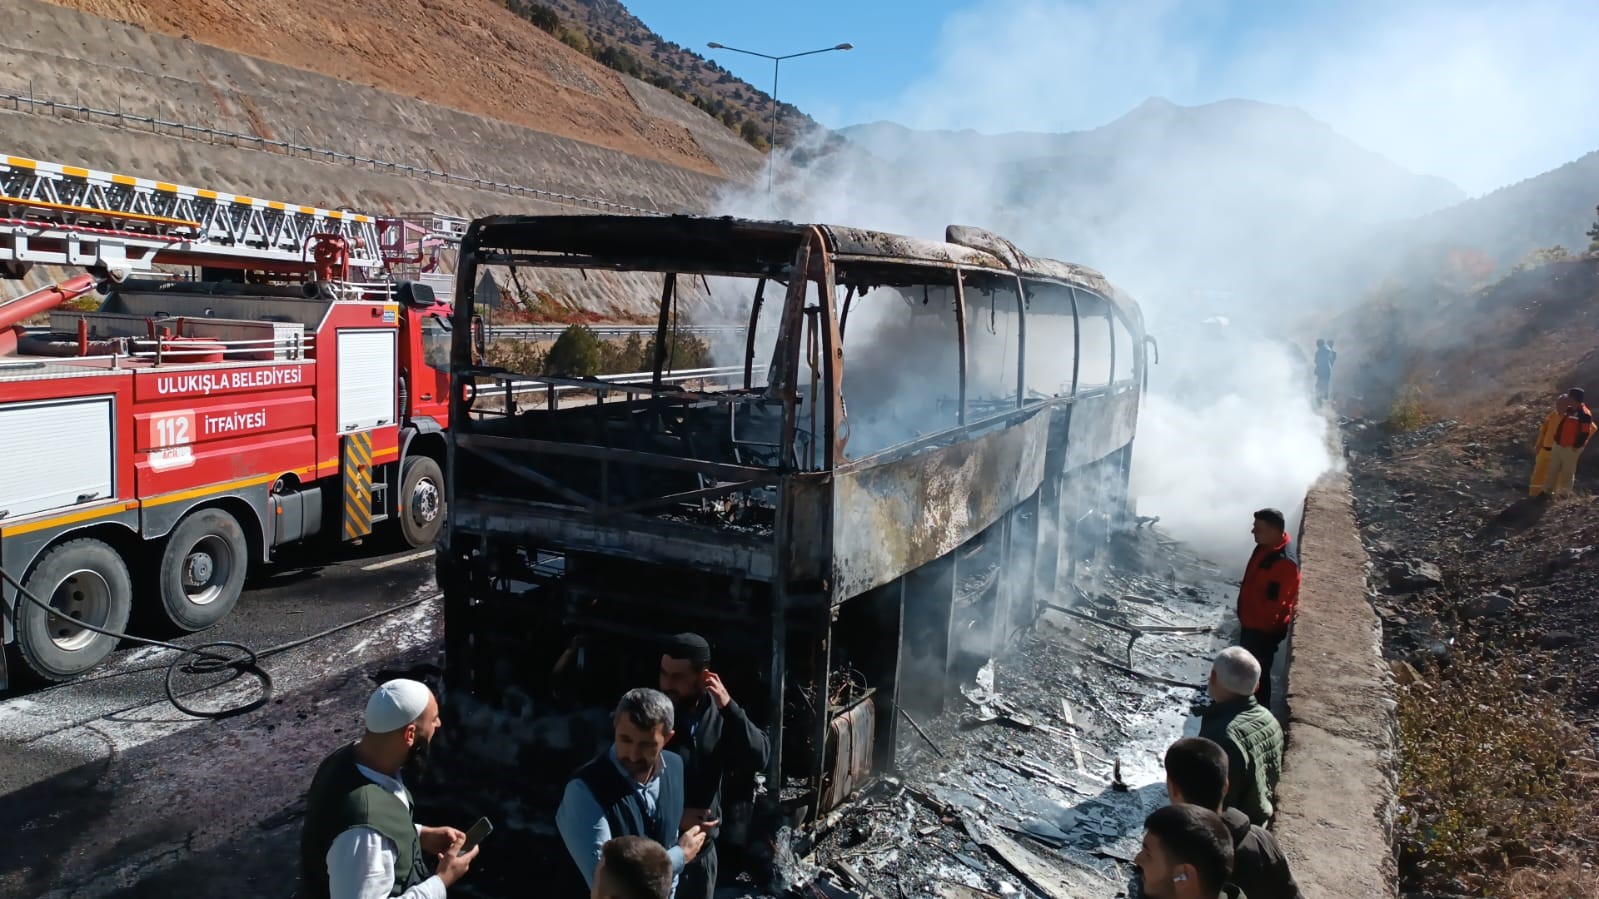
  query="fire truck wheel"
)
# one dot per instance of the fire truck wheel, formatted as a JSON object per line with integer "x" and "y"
{"x": 202, "y": 569}
{"x": 421, "y": 501}
{"x": 87, "y": 580}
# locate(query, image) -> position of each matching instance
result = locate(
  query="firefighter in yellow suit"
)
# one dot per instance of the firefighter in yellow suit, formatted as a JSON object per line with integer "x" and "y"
{"x": 1571, "y": 436}
{"x": 1546, "y": 441}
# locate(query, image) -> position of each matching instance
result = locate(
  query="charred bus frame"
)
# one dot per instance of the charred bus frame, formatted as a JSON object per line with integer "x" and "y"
{"x": 838, "y": 584}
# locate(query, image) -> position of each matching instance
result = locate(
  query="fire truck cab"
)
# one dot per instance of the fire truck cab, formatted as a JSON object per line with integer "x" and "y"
{"x": 294, "y": 383}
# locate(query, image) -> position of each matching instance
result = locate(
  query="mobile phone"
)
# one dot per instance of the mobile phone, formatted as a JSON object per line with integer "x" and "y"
{"x": 476, "y": 835}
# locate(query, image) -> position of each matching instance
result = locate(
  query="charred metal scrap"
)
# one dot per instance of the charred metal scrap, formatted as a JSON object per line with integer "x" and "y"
{"x": 854, "y": 525}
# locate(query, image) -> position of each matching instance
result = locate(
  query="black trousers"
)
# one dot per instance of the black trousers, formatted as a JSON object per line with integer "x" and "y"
{"x": 698, "y": 880}
{"x": 1263, "y": 646}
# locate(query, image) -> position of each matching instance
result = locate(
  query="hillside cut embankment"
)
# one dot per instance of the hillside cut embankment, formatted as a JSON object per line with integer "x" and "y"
{"x": 82, "y": 59}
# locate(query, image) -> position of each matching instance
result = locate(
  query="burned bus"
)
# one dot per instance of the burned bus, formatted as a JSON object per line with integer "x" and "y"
{"x": 917, "y": 441}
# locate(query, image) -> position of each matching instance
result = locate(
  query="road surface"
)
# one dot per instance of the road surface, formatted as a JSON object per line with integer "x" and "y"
{"x": 107, "y": 790}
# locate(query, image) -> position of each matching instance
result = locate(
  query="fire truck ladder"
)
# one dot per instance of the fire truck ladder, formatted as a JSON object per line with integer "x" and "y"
{"x": 55, "y": 214}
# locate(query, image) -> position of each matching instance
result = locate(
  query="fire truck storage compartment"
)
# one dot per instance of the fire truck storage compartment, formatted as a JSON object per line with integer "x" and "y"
{"x": 366, "y": 378}
{"x": 57, "y": 453}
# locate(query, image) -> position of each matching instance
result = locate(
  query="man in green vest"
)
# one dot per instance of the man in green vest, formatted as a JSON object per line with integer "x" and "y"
{"x": 360, "y": 839}
{"x": 1247, "y": 730}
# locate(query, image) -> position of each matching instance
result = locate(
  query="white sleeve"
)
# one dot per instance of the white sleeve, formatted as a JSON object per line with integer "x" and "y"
{"x": 361, "y": 866}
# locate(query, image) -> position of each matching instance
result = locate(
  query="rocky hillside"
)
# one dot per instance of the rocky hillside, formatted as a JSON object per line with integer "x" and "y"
{"x": 1498, "y": 229}
{"x": 1492, "y": 356}
{"x": 474, "y": 56}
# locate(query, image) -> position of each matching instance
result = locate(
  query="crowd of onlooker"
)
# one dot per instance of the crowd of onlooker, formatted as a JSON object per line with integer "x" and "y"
{"x": 640, "y": 820}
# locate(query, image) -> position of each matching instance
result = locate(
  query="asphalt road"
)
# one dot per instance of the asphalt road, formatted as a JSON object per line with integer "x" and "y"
{"x": 107, "y": 790}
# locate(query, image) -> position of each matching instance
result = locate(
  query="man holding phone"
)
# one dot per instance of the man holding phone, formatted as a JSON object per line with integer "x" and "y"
{"x": 634, "y": 788}
{"x": 360, "y": 839}
{"x": 714, "y": 737}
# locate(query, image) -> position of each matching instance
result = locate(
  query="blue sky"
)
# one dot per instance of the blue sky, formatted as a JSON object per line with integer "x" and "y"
{"x": 1483, "y": 93}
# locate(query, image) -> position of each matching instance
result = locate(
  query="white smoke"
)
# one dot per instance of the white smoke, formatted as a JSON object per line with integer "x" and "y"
{"x": 1228, "y": 425}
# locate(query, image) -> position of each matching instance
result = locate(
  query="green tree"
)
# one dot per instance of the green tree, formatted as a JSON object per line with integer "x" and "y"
{"x": 1593, "y": 233}
{"x": 576, "y": 353}
{"x": 751, "y": 132}
{"x": 575, "y": 39}
{"x": 542, "y": 17}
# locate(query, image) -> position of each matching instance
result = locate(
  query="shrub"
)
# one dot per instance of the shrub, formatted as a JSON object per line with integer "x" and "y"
{"x": 682, "y": 351}
{"x": 515, "y": 355}
{"x": 576, "y": 353}
{"x": 626, "y": 356}
{"x": 1489, "y": 777}
{"x": 751, "y": 132}
{"x": 542, "y": 17}
{"x": 1542, "y": 256}
{"x": 1407, "y": 412}
{"x": 577, "y": 40}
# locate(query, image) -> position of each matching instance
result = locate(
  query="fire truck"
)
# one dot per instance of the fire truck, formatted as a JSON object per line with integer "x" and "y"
{"x": 252, "y": 374}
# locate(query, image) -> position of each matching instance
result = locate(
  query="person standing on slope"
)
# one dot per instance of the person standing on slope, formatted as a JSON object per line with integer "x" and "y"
{"x": 1571, "y": 435}
{"x": 1269, "y": 595}
{"x": 1546, "y": 443}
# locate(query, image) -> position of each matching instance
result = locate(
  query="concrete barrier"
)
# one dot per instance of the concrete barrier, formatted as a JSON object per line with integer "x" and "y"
{"x": 1336, "y": 798}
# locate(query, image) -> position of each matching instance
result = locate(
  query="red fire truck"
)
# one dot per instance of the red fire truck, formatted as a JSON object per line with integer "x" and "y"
{"x": 292, "y": 383}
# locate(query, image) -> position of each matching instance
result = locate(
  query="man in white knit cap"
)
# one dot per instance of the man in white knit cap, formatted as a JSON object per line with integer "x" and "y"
{"x": 360, "y": 839}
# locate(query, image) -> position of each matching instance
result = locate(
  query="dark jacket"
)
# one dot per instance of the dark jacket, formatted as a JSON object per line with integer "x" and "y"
{"x": 1269, "y": 595}
{"x": 1254, "y": 743}
{"x": 1259, "y": 866}
{"x": 713, "y": 742}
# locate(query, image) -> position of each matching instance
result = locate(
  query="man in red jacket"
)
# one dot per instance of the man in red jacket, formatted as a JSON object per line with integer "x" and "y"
{"x": 1268, "y": 596}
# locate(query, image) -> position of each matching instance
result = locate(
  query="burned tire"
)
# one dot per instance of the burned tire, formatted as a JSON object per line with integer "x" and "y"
{"x": 202, "y": 569}
{"x": 87, "y": 580}
{"x": 421, "y": 501}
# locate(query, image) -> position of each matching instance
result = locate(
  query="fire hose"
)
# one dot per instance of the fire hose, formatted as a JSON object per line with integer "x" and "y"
{"x": 203, "y": 658}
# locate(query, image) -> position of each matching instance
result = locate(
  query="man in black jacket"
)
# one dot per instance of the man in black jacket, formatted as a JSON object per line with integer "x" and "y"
{"x": 1196, "y": 774}
{"x": 714, "y": 737}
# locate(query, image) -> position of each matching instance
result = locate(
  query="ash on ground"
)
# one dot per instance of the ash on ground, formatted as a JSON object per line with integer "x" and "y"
{"x": 1045, "y": 765}
{"x": 1048, "y": 764}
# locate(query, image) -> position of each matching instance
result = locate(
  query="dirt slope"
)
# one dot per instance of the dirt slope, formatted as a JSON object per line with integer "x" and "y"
{"x": 470, "y": 55}
{"x": 1487, "y": 357}
{"x": 1473, "y": 580}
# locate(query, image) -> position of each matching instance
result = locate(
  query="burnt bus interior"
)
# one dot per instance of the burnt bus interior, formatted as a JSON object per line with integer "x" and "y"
{"x": 866, "y": 514}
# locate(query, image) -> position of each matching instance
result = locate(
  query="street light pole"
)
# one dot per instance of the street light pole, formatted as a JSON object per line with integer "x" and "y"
{"x": 777, "y": 61}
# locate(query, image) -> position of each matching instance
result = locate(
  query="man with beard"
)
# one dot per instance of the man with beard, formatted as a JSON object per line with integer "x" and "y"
{"x": 713, "y": 736}
{"x": 360, "y": 839}
{"x": 635, "y": 788}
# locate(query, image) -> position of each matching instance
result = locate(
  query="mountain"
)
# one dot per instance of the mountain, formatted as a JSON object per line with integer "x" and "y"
{"x": 1553, "y": 209}
{"x": 1235, "y": 199}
